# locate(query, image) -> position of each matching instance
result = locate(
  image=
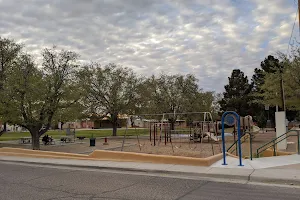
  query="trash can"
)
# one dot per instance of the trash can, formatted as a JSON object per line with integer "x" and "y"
{"x": 92, "y": 142}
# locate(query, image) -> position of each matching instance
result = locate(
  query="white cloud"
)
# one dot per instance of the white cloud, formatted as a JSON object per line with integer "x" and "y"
{"x": 207, "y": 38}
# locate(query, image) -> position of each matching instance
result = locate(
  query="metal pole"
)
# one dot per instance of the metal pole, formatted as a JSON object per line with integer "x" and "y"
{"x": 282, "y": 90}
{"x": 234, "y": 138}
{"x": 165, "y": 134}
{"x": 239, "y": 138}
{"x": 154, "y": 132}
{"x": 244, "y": 125}
{"x": 170, "y": 134}
{"x": 160, "y": 132}
{"x": 138, "y": 139}
{"x": 124, "y": 136}
{"x": 150, "y": 129}
{"x": 208, "y": 130}
{"x": 223, "y": 139}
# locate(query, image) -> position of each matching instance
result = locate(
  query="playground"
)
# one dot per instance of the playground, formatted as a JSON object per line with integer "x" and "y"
{"x": 194, "y": 134}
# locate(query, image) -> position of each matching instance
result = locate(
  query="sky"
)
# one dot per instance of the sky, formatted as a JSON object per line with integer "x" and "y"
{"x": 207, "y": 38}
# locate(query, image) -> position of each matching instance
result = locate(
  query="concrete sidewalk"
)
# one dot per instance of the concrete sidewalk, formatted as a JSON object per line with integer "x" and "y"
{"x": 286, "y": 175}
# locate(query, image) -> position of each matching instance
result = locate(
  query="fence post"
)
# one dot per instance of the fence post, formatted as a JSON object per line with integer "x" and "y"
{"x": 154, "y": 132}
{"x": 165, "y": 128}
{"x": 150, "y": 130}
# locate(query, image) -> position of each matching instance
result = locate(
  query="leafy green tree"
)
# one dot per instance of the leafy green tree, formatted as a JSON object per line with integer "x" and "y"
{"x": 269, "y": 65}
{"x": 9, "y": 51}
{"x": 215, "y": 107}
{"x": 237, "y": 94}
{"x": 290, "y": 74}
{"x": 174, "y": 94}
{"x": 37, "y": 93}
{"x": 112, "y": 90}
{"x": 291, "y": 78}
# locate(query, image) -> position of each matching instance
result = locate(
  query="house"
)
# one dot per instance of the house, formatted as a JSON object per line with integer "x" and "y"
{"x": 95, "y": 122}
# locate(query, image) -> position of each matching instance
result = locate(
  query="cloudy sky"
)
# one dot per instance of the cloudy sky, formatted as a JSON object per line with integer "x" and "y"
{"x": 207, "y": 38}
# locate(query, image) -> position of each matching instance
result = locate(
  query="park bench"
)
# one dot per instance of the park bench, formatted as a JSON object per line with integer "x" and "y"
{"x": 69, "y": 137}
{"x": 66, "y": 139}
{"x": 25, "y": 140}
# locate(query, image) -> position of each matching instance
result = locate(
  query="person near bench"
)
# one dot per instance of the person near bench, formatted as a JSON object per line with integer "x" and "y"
{"x": 47, "y": 140}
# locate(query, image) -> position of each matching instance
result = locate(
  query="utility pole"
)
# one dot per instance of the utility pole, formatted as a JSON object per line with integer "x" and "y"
{"x": 282, "y": 93}
{"x": 282, "y": 88}
{"x": 299, "y": 14}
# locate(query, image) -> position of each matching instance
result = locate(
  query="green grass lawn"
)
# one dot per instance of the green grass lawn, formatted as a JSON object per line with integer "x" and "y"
{"x": 56, "y": 134}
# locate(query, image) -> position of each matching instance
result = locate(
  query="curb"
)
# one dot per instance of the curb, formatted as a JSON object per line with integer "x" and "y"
{"x": 128, "y": 169}
{"x": 278, "y": 181}
{"x": 204, "y": 175}
{"x": 115, "y": 156}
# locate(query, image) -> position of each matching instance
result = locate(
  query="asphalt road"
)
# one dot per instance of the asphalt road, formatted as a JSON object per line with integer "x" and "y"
{"x": 26, "y": 182}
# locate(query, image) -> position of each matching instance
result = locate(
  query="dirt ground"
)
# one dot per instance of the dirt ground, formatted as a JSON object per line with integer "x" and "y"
{"x": 81, "y": 147}
{"x": 184, "y": 147}
{"x": 178, "y": 147}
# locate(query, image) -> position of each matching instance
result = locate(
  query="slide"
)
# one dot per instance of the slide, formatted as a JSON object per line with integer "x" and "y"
{"x": 212, "y": 136}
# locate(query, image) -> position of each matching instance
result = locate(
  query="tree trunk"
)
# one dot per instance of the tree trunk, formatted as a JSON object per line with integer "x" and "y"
{"x": 35, "y": 140}
{"x": 114, "y": 129}
{"x": 114, "y": 121}
{"x": 4, "y": 129}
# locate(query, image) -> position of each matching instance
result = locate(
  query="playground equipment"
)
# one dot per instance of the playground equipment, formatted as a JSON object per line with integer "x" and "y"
{"x": 159, "y": 130}
{"x": 197, "y": 130}
{"x": 166, "y": 127}
{"x": 204, "y": 129}
{"x": 191, "y": 129}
